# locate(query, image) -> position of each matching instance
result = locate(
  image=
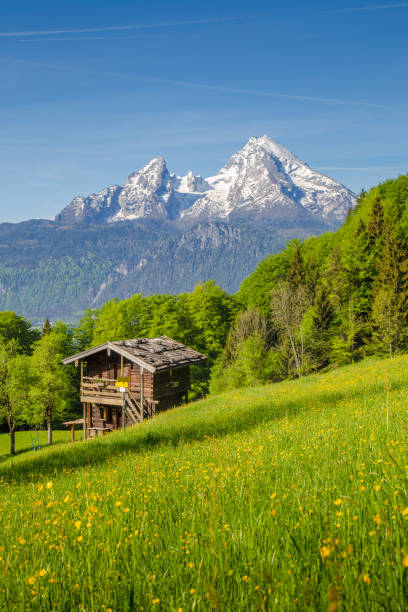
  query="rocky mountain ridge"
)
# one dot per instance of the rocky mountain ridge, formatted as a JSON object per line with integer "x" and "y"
{"x": 262, "y": 183}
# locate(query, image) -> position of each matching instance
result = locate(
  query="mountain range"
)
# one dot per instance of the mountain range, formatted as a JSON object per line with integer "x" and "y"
{"x": 160, "y": 232}
{"x": 263, "y": 182}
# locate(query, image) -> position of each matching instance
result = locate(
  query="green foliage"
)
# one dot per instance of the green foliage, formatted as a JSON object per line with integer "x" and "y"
{"x": 83, "y": 333}
{"x": 322, "y": 323}
{"x": 14, "y": 327}
{"x": 52, "y": 392}
{"x": 247, "y": 359}
{"x": 14, "y": 385}
{"x": 200, "y": 319}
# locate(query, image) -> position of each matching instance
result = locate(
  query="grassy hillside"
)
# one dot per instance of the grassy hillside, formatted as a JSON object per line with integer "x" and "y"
{"x": 287, "y": 496}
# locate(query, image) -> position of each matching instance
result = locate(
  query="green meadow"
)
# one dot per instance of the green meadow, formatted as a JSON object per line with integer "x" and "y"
{"x": 25, "y": 439}
{"x": 291, "y": 496}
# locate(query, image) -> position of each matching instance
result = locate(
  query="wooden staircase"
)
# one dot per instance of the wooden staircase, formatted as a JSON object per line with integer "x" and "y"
{"x": 133, "y": 408}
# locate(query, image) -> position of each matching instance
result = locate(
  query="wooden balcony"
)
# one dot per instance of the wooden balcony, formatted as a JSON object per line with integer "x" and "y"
{"x": 100, "y": 391}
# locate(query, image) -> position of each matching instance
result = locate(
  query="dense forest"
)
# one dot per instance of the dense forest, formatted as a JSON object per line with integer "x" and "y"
{"x": 327, "y": 301}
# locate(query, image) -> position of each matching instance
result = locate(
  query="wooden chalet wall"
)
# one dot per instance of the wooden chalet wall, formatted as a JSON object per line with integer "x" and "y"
{"x": 163, "y": 389}
{"x": 171, "y": 387}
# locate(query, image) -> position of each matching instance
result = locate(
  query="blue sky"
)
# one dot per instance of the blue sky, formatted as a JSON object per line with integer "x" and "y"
{"x": 91, "y": 91}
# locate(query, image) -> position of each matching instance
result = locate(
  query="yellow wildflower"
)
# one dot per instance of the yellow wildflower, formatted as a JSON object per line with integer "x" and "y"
{"x": 325, "y": 552}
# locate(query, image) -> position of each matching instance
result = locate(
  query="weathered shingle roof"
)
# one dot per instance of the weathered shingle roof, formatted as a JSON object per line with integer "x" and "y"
{"x": 155, "y": 354}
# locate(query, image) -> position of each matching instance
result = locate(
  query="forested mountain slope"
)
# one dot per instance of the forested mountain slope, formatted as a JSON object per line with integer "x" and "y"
{"x": 329, "y": 300}
{"x": 58, "y": 270}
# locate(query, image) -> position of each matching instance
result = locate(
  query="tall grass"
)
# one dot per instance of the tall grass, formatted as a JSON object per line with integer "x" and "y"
{"x": 288, "y": 496}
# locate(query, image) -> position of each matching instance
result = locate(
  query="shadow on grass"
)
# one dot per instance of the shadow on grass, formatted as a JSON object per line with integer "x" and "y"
{"x": 211, "y": 418}
{"x": 28, "y": 449}
{"x": 25, "y": 450}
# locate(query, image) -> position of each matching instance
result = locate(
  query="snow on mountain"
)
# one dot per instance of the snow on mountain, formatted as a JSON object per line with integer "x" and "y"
{"x": 264, "y": 177}
{"x": 97, "y": 207}
{"x": 262, "y": 181}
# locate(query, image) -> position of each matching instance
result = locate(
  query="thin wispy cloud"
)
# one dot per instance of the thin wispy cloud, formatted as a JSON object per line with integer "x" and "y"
{"x": 73, "y": 38}
{"x": 141, "y": 26}
{"x": 193, "y": 85}
{"x": 372, "y": 7}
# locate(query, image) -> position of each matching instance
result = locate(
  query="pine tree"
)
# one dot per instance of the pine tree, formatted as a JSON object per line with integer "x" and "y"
{"x": 335, "y": 278}
{"x": 323, "y": 318}
{"x": 46, "y": 328}
{"x": 389, "y": 309}
{"x": 376, "y": 222}
{"x": 361, "y": 196}
{"x": 359, "y": 262}
{"x": 312, "y": 278}
{"x": 297, "y": 273}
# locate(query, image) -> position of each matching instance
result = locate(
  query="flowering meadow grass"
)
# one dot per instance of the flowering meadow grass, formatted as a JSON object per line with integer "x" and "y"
{"x": 290, "y": 496}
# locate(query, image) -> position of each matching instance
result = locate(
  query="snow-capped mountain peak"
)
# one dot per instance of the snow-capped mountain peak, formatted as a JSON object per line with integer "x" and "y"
{"x": 270, "y": 146}
{"x": 263, "y": 181}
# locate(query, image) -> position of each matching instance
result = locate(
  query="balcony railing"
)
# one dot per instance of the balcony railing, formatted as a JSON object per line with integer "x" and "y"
{"x": 102, "y": 390}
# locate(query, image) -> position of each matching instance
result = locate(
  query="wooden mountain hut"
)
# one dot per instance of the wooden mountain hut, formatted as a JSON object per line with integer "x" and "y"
{"x": 126, "y": 381}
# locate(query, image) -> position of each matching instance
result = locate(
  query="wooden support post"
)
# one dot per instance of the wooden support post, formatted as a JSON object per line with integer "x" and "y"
{"x": 121, "y": 365}
{"x": 123, "y": 411}
{"x": 73, "y": 433}
{"x": 142, "y": 391}
{"x": 84, "y": 421}
{"x": 82, "y": 372}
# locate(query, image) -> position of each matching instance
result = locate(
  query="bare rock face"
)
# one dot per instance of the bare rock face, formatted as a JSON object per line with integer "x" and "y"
{"x": 97, "y": 207}
{"x": 262, "y": 183}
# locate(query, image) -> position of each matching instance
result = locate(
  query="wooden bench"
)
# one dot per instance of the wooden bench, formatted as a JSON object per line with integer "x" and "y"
{"x": 98, "y": 431}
